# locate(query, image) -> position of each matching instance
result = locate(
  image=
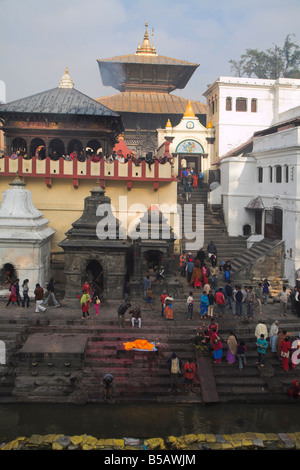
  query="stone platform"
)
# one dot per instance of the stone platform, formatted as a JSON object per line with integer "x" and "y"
{"x": 43, "y": 345}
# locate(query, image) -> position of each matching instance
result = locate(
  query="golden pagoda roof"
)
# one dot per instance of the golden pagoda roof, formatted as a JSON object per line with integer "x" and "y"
{"x": 145, "y": 68}
{"x": 147, "y": 59}
{"x": 160, "y": 103}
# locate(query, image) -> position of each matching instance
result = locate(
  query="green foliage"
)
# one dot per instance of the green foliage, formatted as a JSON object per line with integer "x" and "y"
{"x": 270, "y": 64}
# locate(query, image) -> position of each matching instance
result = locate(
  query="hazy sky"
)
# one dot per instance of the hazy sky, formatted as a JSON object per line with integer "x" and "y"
{"x": 40, "y": 38}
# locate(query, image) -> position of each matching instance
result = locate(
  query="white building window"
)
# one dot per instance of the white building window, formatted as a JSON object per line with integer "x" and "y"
{"x": 228, "y": 103}
{"x": 254, "y": 105}
{"x": 278, "y": 174}
{"x": 270, "y": 174}
{"x": 241, "y": 104}
{"x": 260, "y": 174}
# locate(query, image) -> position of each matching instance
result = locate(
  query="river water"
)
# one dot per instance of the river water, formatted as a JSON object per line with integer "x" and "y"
{"x": 145, "y": 421}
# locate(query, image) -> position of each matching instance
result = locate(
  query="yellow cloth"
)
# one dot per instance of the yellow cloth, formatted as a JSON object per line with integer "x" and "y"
{"x": 139, "y": 344}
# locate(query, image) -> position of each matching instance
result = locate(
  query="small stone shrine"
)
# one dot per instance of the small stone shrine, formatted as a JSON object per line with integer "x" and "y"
{"x": 153, "y": 245}
{"x": 25, "y": 239}
{"x": 97, "y": 250}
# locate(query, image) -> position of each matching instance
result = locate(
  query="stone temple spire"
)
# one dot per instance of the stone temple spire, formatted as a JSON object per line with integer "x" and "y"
{"x": 146, "y": 47}
{"x": 66, "y": 81}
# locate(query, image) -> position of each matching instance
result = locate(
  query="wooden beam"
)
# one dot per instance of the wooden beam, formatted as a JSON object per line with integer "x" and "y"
{"x": 207, "y": 380}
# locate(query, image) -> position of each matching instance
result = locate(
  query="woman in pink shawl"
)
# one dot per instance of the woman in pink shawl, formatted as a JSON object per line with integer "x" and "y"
{"x": 12, "y": 296}
{"x": 204, "y": 274}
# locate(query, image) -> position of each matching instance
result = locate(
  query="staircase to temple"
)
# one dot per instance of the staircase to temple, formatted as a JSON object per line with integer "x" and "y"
{"x": 263, "y": 260}
{"x": 214, "y": 228}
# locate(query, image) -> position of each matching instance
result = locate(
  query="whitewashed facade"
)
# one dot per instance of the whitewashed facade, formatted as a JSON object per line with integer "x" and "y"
{"x": 25, "y": 237}
{"x": 260, "y": 188}
{"x": 238, "y": 107}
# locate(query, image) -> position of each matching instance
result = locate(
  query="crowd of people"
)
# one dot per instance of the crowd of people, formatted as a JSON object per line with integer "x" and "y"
{"x": 94, "y": 156}
{"x": 19, "y": 295}
{"x": 189, "y": 179}
{"x": 204, "y": 273}
{"x": 215, "y": 301}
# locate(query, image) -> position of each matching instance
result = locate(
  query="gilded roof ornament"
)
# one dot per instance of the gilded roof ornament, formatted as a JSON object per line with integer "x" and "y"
{"x": 146, "y": 47}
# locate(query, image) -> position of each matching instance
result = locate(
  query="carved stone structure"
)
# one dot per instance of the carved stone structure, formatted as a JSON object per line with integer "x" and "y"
{"x": 24, "y": 238}
{"x": 102, "y": 261}
{"x": 154, "y": 248}
{"x": 154, "y": 253}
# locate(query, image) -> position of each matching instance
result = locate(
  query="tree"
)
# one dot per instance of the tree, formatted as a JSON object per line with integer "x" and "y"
{"x": 271, "y": 64}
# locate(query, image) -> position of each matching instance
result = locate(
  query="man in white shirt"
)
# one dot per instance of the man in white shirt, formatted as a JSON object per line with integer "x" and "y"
{"x": 283, "y": 297}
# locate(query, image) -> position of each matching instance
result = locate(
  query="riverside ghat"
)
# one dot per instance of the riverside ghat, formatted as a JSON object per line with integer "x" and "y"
{"x": 55, "y": 356}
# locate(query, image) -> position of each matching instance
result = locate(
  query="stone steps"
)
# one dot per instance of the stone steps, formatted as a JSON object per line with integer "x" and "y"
{"x": 139, "y": 376}
{"x": 215, "y": 229}
{"x": 252, "y": 254}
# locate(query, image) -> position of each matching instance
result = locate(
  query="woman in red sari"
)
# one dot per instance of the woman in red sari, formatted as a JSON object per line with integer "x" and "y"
{"x": 195, "y": 181}
{"x": 213, "y": 326}
{"x": 285, "y": 352}
{"x": 217, "y": 347}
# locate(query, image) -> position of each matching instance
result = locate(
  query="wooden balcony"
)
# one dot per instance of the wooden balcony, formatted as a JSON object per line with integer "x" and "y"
{"x": 76, "y": 170}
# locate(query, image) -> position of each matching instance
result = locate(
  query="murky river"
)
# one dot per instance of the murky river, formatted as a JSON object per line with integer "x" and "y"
{"x": 119, "y": 421}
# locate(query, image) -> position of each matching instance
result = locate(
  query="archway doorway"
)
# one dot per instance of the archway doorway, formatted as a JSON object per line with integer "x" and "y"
{"x": 190, "y": 161}
{"x": 94, "y": 274}
{"x": 273, "y": 223}
{"x": 153, "y": 260}
{"x": 7, "y": 275}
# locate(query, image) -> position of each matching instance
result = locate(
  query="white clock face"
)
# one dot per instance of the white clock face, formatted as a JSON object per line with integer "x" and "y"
{"x": 190, "y": 125}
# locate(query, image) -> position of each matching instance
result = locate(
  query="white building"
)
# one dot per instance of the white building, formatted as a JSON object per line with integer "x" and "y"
{"x": 238, "y": 107}
{"x": 260, "y": 188}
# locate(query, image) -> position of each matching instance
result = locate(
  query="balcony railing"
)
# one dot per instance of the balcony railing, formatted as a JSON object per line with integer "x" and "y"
{"x": 76, "y": 170}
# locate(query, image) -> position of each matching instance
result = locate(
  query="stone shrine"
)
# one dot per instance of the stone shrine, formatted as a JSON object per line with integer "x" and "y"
{"x": 25, "y": 238}
{"x": 102, "y": 260}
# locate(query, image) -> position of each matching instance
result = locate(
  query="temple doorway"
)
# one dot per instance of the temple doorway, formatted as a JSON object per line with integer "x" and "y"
{"x": 153, "y": 260}
{"x": 273, "y": 223}
{"x": 7, "y": 275}
{"x": 94, "y": 274}
{"x": 190, "y": 161}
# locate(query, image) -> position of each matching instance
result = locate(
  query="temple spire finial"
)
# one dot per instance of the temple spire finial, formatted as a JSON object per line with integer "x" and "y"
{"x": 146, "y": 47}
{"x": 66, "y": 81}
{"x": 189, "y": 110}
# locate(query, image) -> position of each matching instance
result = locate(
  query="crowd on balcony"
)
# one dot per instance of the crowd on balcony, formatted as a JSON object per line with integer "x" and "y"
{"x": 83, "y": 156}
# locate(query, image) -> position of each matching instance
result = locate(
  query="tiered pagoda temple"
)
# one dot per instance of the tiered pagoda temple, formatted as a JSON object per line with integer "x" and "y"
{"x": 146, "y": 82}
